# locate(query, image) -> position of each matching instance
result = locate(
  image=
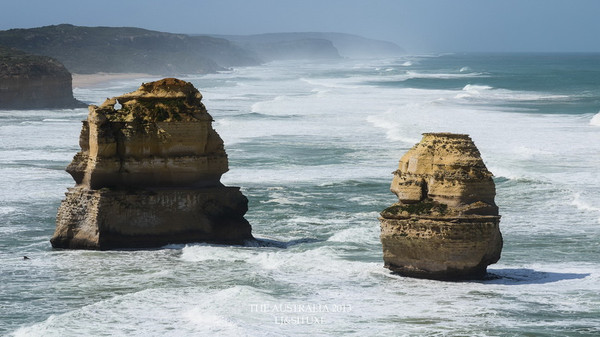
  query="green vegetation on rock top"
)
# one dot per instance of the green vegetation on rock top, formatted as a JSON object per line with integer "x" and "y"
{"x": 15, "y": 62}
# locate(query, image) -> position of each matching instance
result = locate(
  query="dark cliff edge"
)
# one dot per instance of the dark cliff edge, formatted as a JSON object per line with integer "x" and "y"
{"x": 87, "y": 50}
{"x": 34, "y": 82}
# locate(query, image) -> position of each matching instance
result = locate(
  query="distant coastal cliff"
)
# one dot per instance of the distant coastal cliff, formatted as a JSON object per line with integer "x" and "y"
{"x": 34, "y": 82}
{"x": 315, "y": 45}
{"x": 45, "y": 83}
{"x": 87, "y": 50}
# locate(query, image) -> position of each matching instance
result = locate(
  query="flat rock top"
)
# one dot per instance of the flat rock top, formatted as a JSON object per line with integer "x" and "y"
{"x": 166, "y": 100}
{"x": 165, "y": 88}
{"x": 447, "y": 135}
{"x": 18, "y": 64}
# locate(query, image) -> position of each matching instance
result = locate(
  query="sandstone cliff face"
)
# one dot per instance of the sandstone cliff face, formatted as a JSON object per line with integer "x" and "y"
{"x": 34, "y": 82}
{"x": 148, "y": 174}
{"x": 446, "y": 223}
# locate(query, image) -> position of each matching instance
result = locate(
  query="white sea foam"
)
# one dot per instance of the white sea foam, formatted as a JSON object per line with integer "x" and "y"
{"x": 595, "y": 121}
{"x": 207, "y": 289}
{"x": 343, "y": 83}
{"x": 204, "y": 252}
{"x": 392, "y": 131}
{"x": 585, "y": 206}
{"x": 487, "y": 94}
{"x": 407, "y": 64}
{"x": 164, "y": 312}
{"x": 361, "y": 234}
{"x": 6, "y": 210}
{"x": 414, "y": 74}
{"x": 57, "y": 120}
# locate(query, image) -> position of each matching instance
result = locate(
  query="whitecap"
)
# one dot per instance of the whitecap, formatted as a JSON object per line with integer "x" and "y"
{"x": 584, "y": 206}
{"x": 441, "y": 76}
{"x": 216, "y": 323}
{"x": 362, "y": 234}
{"x": 284, "y": 200}
{"x": 56, "y": 120}
{"x": 6, "y": 210}
{"x": 488, "y": 93}
{"x": 407, "y": 64}
{"x": 595, "y": 121}
{"x": 205, "y": 252}
{"x": 472, "y": 90}
{"x": 393, "y": 133}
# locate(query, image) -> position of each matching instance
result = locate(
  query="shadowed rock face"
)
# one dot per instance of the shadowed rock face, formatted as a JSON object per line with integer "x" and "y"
{"x": 148, "y": 174}
{"x": 446, "y": 223}
{"x": 34, "y": 82}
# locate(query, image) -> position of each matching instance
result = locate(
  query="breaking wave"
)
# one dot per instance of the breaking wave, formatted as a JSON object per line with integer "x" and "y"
{"x": 595, "y": 121}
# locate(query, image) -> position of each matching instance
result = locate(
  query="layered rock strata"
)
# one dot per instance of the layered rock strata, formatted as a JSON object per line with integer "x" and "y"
{"x": 148, "y": 174}
{"x": 445, "y": 224}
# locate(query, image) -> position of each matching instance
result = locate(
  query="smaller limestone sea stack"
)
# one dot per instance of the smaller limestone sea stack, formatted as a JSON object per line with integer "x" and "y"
{"x": 148, "y": 174}
{"x": 446, "y": 223}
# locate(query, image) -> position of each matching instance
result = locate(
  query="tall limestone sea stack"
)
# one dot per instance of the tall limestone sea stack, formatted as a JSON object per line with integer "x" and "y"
{"x": 148, "y": 174}
{"x": 446, "y": 223}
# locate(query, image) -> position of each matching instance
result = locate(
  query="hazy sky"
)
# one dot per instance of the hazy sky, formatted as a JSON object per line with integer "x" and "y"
{"x": 417, "y": 25}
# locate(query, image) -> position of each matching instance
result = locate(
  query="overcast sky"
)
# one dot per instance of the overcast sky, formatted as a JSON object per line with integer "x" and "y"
{"x": 417, "y": 25}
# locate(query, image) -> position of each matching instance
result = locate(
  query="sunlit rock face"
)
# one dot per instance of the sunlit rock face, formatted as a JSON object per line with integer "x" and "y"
{"x": 445, "y": 224}
{"x": 148, "y": 174}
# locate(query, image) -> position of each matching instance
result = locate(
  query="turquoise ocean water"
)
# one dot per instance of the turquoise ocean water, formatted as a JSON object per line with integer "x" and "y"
{"x": 313, "y": 147}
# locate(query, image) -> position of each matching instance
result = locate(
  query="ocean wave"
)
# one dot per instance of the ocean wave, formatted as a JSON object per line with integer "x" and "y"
{"x": 442, "y": 76}
{"x": 334, "y": 83}
{"x": 320, "y": 92}
{"x": 595, "y": 121}
{"x": 258, "y": 115}
{"x": 161, "y": 312}
{"x": 58, "y": 120}
{"x": 472, "y": 90}
{"x": 362, "y": 234}
{"x": 502, "y": 174}
{"x": 484, "y": 92}
{"x": 283, "y": 200}
{"x": 6, "y": 210}
{"x": 585, "y": 206}
{"x": 392, "y": 132}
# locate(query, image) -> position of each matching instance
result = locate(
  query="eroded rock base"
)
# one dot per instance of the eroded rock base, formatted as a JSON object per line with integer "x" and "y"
{"x": 108, "y": 219}
{"x": 441, "y": 248}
